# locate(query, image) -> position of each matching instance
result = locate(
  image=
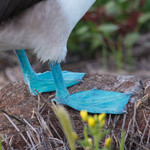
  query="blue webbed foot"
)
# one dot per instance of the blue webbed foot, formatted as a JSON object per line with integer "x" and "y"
{"x": 93, "y": 101}
{"x": 44, "y": 82}
{"x": 96, "y": 101}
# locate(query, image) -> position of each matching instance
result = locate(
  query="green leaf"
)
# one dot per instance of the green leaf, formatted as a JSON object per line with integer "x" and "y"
{"x": 122, "y": 141}
{"x": 112, "y": 9}
{"x": 144, "y": 18}
{"x": 82, "y": 30}
{"x": 130, "y": 39}
{"x": 108, "y": 28}
{"x": 122, "y": 1}
{"x": 96, "y": 41}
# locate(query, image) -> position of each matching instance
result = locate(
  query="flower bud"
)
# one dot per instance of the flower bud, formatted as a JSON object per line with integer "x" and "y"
{"x": 90, "y": 141}
{"x": 101, "y": 117}
{"x": 108, "y": 142}
{"x": 102, "y": 123}
{"x": 91, "y": 122}
{"x": 84, "y": 115}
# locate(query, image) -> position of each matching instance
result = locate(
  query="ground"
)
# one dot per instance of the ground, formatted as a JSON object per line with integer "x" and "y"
{"x": 21, "y": 107}
{"x": 24, "y": 118}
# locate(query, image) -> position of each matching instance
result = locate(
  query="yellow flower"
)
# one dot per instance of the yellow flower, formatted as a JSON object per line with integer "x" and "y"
{"x": 90, "y": 141}
{"x": 108, "y": 142}
{"x": 102, "y": 123}
{"x": 91, "y": 122}
{"x": 75, "y": 136}
{"x": 84, "y": 115}
{"x": 101, "y": 117}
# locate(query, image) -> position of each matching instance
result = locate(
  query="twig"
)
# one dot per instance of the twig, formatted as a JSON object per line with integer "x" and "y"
{"x": 116, "y": 140}
{"x": 124, "y": 121}
{"x": 39, "y": 102}
{"x": 18, "y": 130}
{"x": 5, "y": 138}
{"x": 140, "y": 101}
{"x": 134, "y": 119}
{"x": 148, "y": 138}
{"x": 53, "y": 128}
{"x": 38, "y": 137}
{"x": 145, "y": 130}
{"x": 42, "y": 97}
{"x": 145, "y": 148}
{"x": 133, "y": 125}
{"x": 109, "y": 120}
{"x": 127, "y": 133}
{"x": 137, "y": 127}
{"x": 43, "y": 123}
{"x": 29, "y": 136}
{"x": 11, "y": 116}
{"x": 145, "y": 118}
{"x": 116, "y": 120}
{"x": 145, "y": 106}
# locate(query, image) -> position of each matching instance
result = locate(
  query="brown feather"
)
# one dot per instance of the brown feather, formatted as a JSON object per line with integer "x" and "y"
{"x": 10, "y": 8}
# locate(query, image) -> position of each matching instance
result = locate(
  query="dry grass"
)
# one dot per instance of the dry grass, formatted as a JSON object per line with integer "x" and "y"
{"x": 43, "y": 132}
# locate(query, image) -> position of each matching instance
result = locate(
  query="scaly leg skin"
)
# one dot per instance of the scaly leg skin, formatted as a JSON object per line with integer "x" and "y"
{"x": 43, "y": 82}
{"x": 93, "y": 101}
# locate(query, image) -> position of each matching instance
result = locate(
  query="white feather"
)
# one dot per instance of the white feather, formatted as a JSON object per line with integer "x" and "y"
{"x": 45, "y": 27}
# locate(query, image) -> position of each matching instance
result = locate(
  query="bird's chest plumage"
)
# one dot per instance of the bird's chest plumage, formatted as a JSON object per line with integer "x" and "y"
{"x": 43, "y": 22}
{"x": 44, "y": 27}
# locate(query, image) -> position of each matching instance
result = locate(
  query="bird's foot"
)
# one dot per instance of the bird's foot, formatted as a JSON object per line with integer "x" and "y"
{"x": 44, "y": 82}
{"x": 96, "y": 101}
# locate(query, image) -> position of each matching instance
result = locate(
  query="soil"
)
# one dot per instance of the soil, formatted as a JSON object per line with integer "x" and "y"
{"x": 18, "y": 104}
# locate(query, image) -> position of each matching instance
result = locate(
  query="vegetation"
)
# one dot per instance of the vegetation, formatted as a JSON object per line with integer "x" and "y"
{"x": 44, "y": 131}
{"x": 0, "y": 145}
{"x": 109, "y": 28}
{"x": 94, "y": 130}
{"x": 65, "y": 122}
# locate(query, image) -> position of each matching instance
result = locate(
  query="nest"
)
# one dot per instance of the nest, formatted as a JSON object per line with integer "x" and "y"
{"x": 28, "y": 122}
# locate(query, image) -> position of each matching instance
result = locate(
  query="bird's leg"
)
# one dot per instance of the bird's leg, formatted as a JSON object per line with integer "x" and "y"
{"x": 25, "y": 65}
{"x": 94, "y": 101}
{"x": 42, "y": 81}
{"x": 61, "y": 91}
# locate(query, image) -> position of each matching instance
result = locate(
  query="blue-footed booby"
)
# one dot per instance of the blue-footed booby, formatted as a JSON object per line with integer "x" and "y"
{"x": 44, "y": 26}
